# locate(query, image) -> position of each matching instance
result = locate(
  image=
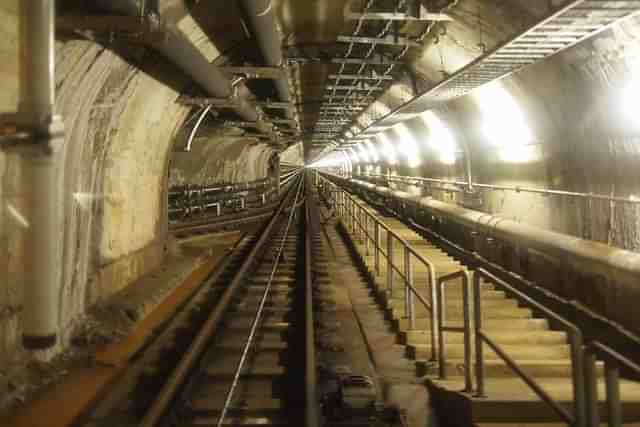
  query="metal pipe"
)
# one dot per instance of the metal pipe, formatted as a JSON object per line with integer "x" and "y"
{"x": 580, "y": 254}
{"x": 44, "y": 160}
{"x": 178, "y": 49}
{"x": 543, "y": 191}
{"x": 263, "y": 23}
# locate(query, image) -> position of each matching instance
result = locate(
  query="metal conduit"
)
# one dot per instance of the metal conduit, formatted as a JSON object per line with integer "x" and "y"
{"x": 583, "y": 255}
{"x": 263, "y": 22}
{"x": 44, "y": 160}
{"x": 179, "y": 50}
{"x": 410, "y": 180}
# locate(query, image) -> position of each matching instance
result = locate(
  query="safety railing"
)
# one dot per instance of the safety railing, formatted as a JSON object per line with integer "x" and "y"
{"x": 584, "y": 372}
{"x": 463, "y": 276}
{"x": 613, "y": 363}
{"x": 573, "y": 418}
{"x": 368, "y": 229}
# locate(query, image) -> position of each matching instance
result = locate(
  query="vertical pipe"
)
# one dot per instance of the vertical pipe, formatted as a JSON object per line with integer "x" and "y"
{"x": 42, "y": 277}
{"x": 612, "y": 382}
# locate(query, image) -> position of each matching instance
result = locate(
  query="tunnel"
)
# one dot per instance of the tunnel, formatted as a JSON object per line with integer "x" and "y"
{"x": 319, "y": 212}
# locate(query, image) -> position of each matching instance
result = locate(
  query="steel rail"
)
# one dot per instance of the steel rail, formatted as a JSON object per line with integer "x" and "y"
{"x": 311, "y": 406}
{"x": 192, "y": 355}
{"x": 258, "y": 316}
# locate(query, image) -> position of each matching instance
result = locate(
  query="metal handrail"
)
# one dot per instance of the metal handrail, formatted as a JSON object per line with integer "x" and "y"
{"x": 347, "y": 205}
{"x": 258, "y": 315}
{"x": 577, "y": 418}
{"x": 613, "y": 361}
{"x": 466, "y": 329}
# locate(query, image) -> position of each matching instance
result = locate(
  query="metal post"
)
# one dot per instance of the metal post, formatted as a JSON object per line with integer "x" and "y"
{"x": 409, "y": 307}
{"x": 478, "y": 336}
{"x": 442, "y": 357}
{"x": 593, "y": 417}
{"x": 578, "y": 377}
{"x": 467, "y": 334}
{"x": 612, "y": 381}
{"x": 366, "y": 234}
{"x": 390, "y": 264}
{"x": 435, "y": 308}
{"x": 376, "y": 249}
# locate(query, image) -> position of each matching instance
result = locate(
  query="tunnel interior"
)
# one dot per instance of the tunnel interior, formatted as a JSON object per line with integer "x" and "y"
{"x": 474, "y": 113}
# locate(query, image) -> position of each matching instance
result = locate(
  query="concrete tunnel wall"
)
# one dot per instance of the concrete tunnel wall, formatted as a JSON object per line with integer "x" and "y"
{"x": 120, "y": 123}
{"x": 571, "y": 103}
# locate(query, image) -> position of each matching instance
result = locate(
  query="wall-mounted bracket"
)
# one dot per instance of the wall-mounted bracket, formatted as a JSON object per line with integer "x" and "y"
{"x": 21, "y": 130}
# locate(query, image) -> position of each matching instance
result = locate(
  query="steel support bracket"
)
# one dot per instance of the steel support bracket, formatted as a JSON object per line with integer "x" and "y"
{"x": 391, "y": 40}
{"x": 21, "y": 130}
{"x": 229, "y": 102}
{"x": 419, "y": 13}
{"x": 135, "y": 29}
{"x": 273, "y": 73}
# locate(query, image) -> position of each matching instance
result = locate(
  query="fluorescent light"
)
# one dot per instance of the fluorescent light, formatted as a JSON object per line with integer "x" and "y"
{"x": 503, "y": 122}
{"x": 372, "y": 151}
{"x": 440, "y": 138}
{"x": 387, "y": 149}
{"x": 354, "y": 156}
{"x": 408, "y": 145}
{"x": 630, "y": 102}
{"x": 362, "y": 152}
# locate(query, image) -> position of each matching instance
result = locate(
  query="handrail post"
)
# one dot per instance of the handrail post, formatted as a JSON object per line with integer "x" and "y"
{"x": 366, "y": 233}
{"x": 376, "y": 253}
{"x": 612, "y": 383}
{"x": 467, "y": 333}
{"x": 578, "y": 377}
{"x": 409, "y": 308}
{"x": 442, "y": 357}
{"x": 390, "y": 264}
{"x": 591, "y": 377}
{"x": 477, "y": 307}
{"x": 435, "y": 308}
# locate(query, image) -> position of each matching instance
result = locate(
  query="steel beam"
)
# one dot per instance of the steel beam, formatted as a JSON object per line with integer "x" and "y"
{"x": 368, "y": 77}
{"x": 420, "y": 13}
{"x": 273, "y": 73}
{"x": 387, "y": 40}
{"x": 365, "y": 88}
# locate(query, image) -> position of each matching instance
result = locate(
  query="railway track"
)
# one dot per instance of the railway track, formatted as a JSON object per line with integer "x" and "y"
{"x": 241, "y": 352}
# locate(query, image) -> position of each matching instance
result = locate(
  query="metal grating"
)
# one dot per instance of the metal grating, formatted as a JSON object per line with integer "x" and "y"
{"x": 383, "y": 37}
{"x": 565, "y": 28}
